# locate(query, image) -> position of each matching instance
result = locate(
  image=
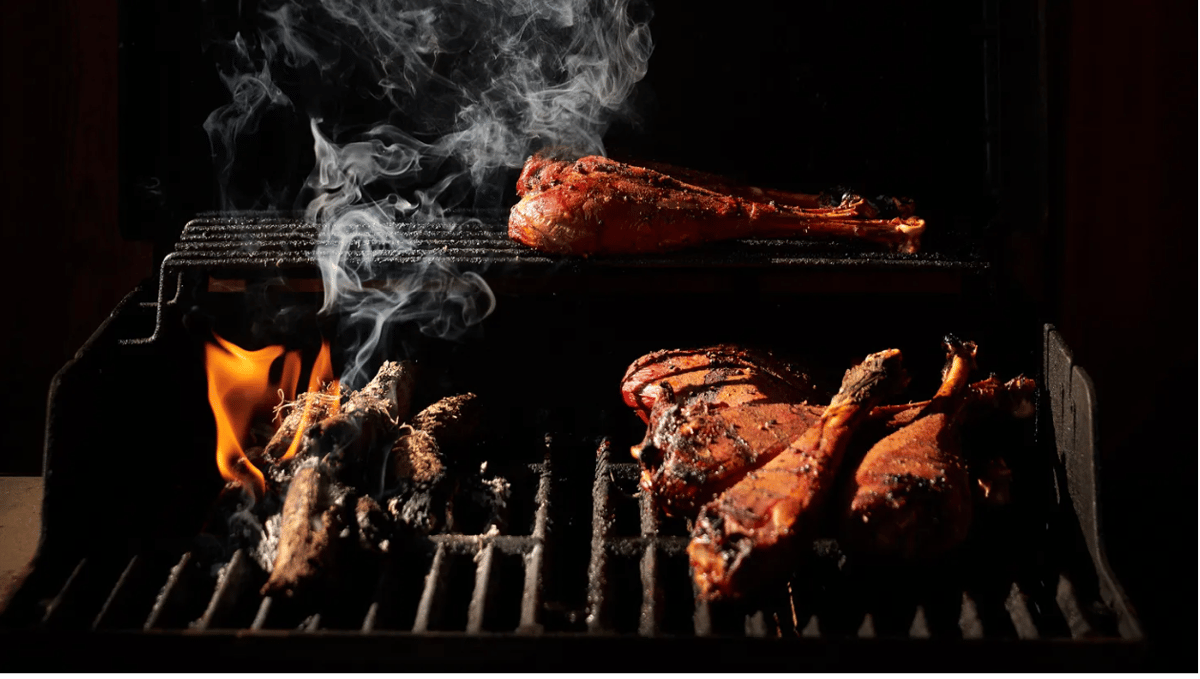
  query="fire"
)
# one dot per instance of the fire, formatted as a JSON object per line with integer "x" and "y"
{"x": 240, "y": 388}
{"x": 321, "y": 385}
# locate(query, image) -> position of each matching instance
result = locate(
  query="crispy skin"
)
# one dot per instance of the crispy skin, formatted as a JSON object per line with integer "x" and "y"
{"x": 713, "y": 414}
{"x": 694, "y": 451}
{"x": 911, "y": 494}
{"x": 722, "y": 374}
{"x": 754, "y": 530}
{"x": 596, "y": 206}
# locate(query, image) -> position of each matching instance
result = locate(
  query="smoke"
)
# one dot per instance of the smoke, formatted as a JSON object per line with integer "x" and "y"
{"x": 418, "y": 108}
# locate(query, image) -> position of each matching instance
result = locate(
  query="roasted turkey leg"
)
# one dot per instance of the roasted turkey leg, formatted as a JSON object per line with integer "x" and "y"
{"x": 753, "y": 531}
{"x": 599, "y": 206}
{"x": 911, "y": 494}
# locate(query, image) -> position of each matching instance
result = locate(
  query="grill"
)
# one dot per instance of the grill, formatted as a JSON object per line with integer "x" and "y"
{"x": 585, "y": 565}
{"x": 585, "y": 575}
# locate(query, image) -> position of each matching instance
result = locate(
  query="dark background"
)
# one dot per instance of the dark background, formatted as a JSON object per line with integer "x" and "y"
{"x": 1119, "y": 274}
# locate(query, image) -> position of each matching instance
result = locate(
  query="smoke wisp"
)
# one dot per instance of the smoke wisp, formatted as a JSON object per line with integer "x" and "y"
{"x": 417, "y": 108}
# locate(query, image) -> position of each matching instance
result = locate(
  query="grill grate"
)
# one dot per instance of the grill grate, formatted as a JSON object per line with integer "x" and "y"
{"x": 813, "y": 607}
{"x": 256, "y": 241}
{"x": 638, "y": 584}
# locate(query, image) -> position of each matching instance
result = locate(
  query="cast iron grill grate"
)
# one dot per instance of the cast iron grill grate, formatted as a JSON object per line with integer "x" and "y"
{"x": 256, "y": 241}
{"x": 637, "y": 583}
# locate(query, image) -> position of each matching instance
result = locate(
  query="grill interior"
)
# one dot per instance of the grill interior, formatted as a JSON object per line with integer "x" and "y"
{"x": 126, "y": 570}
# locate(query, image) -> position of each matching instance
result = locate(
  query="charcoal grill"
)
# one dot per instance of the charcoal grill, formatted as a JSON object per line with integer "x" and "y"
{"x": 586, "y": 565}
{"x": 586, "y": 575}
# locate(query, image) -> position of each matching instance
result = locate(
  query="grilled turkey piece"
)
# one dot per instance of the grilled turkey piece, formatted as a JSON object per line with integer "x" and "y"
{"x": 911, "y": 495}
{"x": 713, "y": 414}
{"x": 594, "y": 206}
{"x": 753, "y": 532}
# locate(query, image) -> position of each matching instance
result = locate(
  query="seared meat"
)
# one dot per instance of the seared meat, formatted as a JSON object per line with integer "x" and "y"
{"x": 713, "y": 414}
{"x": 754, "y": 530}
{"x": 594, "y": 205}
{"x": 695, "y": 450}
{"x": 724, "y": 374}
{"x": 911, "y": 496}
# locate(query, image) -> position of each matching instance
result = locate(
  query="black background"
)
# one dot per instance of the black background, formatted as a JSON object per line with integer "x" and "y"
{"x": 1118, "y": 274}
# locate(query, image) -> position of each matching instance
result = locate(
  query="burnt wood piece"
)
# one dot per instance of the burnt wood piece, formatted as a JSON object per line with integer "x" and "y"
{"x": 374, "y": 524}
{"x": 308, "y": 534}
{"x": 597, "y": 206}
{"x": 420, "y": 466}
{"x": 308, "y": 409}
{"x": 752, "y": 534}
{"x": 353, "y": 439}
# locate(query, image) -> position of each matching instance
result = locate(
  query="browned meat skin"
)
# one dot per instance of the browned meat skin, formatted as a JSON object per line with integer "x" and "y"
{"x": 695, "y": 450}
{"x": 599, "y": 206}
{"x": 752, "y": 533}
{"x": 719, "y": 184}
{"x": 911, "y": 494}
{"x": 713, "y": 414}
{"x": 725, "y": 374}
{"x": 731, "y": 410}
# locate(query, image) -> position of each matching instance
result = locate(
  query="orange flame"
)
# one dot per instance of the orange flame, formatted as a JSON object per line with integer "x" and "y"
{"x": 321, "y": 384}
{"x": 238, "y": 387}
{"x": 289, "y": 379}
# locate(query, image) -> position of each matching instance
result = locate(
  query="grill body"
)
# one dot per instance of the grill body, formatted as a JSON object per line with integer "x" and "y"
{"x": 585, "y": 568}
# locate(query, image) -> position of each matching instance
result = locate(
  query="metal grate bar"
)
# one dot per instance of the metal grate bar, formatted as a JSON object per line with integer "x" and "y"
{"x": 701, "y": 617}
{"x": 232, "y": 582}
{"x": 119, "y": 593}
{"x": 264, "y": 610}
{"x": 867, "y": 629}
{"x": 651, "y": 616}
{"x": 597, "y": 604}
{"x": 969, "y": 621}
{"x": 64, "y": 594}
{"x": 532, "y": 595}
{"x": 920, "y": 626}
{"x": 1017, "y": 605}
{"x": 434, "y": 582}
{"x": 171, "y": 590}
{"x": 1068, "y": 603}
{"x": 479, "y": 596}
{"x": 381, "y": 588}
{"x": 756, "y": 624}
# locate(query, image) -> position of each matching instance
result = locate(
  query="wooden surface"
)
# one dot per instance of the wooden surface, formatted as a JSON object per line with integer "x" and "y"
{"x": 20, "y": 528}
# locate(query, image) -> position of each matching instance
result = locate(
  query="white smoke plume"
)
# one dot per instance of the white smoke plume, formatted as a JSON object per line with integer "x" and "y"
{"x": 464, "y": 90}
